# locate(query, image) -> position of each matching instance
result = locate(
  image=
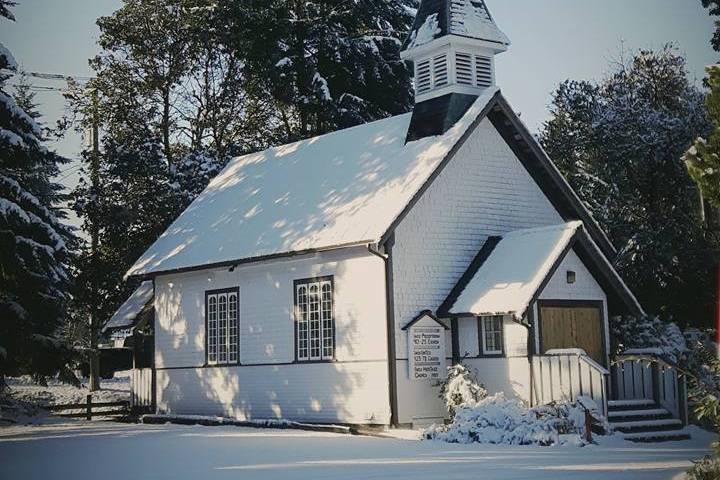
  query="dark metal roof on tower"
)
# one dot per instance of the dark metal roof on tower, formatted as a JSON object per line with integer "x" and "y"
{"x": 464, "y": 18}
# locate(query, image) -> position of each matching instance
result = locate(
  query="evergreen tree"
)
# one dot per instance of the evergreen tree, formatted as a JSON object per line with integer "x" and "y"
{"x": 620, "y": 143}
{"x": 327, "y": 64}
{"x": 713, "y": 7}
{"x": 173, "y": 104}
{"x": 33, "y": 276}
{"x": 702, "y": 160}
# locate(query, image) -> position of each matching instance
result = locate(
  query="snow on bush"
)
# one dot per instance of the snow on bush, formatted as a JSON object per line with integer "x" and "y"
{"x": 479, "y": 418}
{"x": 631, "y": 333}
{"x": 499, "y": 420}
{"x": 707, "y": 468}
{"x": 460, "y": 388}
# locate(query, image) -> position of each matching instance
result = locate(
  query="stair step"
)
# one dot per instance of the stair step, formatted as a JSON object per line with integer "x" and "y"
{"x": 638, "y": 413}
{"x": 659, "y": 436}
{"x": 639, "y": 426}
{"x": 630, "y": 404}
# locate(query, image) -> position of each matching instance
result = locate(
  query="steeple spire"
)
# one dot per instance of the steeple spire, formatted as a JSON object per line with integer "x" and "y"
{"x": 452, "y": 45}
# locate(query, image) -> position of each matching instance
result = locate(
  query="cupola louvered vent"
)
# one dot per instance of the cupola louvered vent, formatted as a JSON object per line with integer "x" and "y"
{"x": 440, "y": 70}
{"x": 432, "y": 73}
{"x": 483, "y": 71}
{"x": 423, "y": 77}
{"x": 463, "y": 68}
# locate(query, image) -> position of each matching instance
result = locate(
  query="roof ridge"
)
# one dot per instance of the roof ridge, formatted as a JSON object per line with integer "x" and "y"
{"x": 316, "y": 137}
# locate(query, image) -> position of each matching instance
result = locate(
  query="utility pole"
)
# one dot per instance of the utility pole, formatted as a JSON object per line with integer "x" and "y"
{"x": 94, "y": 240}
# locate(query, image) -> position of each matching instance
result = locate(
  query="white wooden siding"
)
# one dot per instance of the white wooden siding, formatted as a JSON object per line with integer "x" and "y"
{"x": 483, "y": 191}
{"x": 514, "y": 337}
{"x": 508, "y": 375}
{"x": 354, "y": 393}
{"x": 584, "y": 288}
{"x": 358, "y": 382}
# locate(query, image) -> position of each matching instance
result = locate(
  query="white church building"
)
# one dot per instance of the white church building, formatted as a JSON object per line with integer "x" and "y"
{"x": 334, "y": 279}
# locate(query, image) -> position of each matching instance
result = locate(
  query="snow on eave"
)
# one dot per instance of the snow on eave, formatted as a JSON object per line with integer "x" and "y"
{"x": 126, "y": 315}
{"x": 514, "y": 272}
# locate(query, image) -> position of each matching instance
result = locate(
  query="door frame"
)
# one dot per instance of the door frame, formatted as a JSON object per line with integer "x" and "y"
{"x": 599, "y": 304}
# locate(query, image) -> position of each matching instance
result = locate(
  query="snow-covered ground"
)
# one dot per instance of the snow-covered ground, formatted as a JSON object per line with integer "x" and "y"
{"x": 22, "y": 403}
{"x": 58, "y": 393}
{"x": 87, "y": 450}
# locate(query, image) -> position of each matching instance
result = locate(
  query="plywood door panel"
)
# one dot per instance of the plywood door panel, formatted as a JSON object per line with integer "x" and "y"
{"x": 573, "y": 327}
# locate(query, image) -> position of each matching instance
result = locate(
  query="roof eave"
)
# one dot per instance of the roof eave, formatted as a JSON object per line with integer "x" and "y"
{"x": 245, "y": 261}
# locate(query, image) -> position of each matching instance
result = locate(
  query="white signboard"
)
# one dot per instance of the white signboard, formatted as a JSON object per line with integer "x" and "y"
{"x": 427, "y": 351}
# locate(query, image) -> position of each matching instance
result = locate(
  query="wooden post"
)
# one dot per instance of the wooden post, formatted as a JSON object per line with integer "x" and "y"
{"x": 588, "y": 426}
{"x": 88, "y": 408}
{"x": 94, "y": 354}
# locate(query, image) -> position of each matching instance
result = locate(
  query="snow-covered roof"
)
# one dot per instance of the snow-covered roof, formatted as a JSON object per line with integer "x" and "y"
{"x": 126, "y": 315}
{"x": 334, "y": 190}
{"x": 471, "y": 18}
{"x": 465, "y": 18}
{"x": 512, "y": 274}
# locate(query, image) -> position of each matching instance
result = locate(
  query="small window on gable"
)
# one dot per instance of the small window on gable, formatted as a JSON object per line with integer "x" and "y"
{"x": 222, "y": 328}
{"x": 491, "y": 335}
{"x": 314, "y": 320}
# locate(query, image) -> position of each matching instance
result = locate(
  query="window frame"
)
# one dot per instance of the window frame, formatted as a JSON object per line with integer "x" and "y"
{"x": 307, "y": 282}
{"x": 217, "y": 362}
{"x": 484, "y": 352}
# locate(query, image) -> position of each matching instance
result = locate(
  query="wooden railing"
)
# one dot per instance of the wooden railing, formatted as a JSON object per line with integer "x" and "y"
{"x": 141, "y": 388}
{"x": 645, "y": 375}
{"x": 90, "y": 409}
{"x": 566, "y": 375}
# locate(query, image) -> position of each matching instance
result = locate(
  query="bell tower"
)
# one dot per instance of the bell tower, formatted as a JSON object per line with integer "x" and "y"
{"x": 452, "y": 46}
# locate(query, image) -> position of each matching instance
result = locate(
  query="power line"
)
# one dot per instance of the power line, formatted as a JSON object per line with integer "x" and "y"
{"x": 39, "y": 88}
{"x": 47, "y": 76}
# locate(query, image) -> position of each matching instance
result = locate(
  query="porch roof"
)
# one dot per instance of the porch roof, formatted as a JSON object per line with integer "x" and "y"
{"x": 510, "y": 272}
{"x": 129, "y": 312}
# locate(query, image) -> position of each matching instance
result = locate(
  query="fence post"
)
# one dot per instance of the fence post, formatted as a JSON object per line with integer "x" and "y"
{"x": 88, "y": 408}
{"x": 656, "y": 374}
{"x": 682, "y": 399}
{"x": 588, "y": 426}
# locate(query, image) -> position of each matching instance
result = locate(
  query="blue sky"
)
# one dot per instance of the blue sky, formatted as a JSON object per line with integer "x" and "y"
{"x": 553, "y": 40}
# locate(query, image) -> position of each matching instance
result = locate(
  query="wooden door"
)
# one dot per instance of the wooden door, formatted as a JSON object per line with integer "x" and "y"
{"x": 573, "y": 327}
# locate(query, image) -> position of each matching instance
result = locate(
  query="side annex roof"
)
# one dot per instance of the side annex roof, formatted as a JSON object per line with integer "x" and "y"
{"x": 509, "y": 273}
{"x": 127, "y": 314}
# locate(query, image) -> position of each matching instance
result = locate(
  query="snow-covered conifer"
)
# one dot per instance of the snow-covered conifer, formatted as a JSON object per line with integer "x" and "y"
{"x": 33, "y": 276}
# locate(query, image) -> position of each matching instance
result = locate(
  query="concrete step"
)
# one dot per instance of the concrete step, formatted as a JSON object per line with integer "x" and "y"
{"x": 657, "y": 437}
{"x": 641, "y": 426}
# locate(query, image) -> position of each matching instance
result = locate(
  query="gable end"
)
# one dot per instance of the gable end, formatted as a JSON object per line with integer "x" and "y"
{"x": 535, "y": 161}
{"x": 545, "y": 173}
